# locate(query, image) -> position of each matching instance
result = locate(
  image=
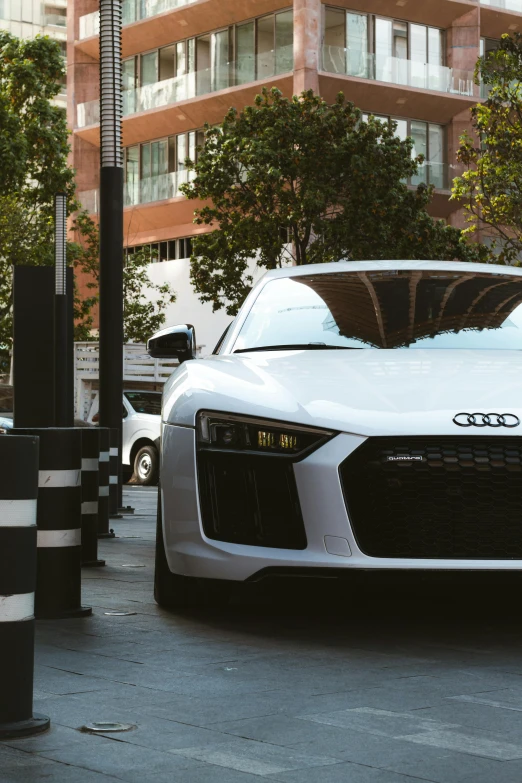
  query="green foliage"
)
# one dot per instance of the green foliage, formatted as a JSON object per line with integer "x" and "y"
{"x": 492, "y": 185}
{"x": 142, "y": 314}
{"x": 335, "y": 182}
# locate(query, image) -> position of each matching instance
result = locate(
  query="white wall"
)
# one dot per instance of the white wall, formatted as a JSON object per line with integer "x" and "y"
{"x": 188, "y": 309}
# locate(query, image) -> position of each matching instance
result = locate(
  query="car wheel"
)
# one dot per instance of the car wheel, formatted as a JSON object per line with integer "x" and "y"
{"x": 146, "y": 464}
{"x": 176, "y": 592}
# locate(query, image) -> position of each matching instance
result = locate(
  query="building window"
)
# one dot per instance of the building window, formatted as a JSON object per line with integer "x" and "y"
{"x": 170, "y": 250}
{"x": 388, "y": 50}
{"x": 235, "y": 55}
{"x": 429, "y": 141}
{"x": 154, "y": 170}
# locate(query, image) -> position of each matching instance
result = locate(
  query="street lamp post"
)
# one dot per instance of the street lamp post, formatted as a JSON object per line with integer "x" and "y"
{"x": 111, "y": 220}
{"x": 61, "y": 354}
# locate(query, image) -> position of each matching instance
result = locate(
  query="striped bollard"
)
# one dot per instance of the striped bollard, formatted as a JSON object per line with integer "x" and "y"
{"x": 18, "y": 493}
{"x": 103, "y": 497}
{"x": 59, "y": 519}
{"x": 90, "y": 488}
{"x": 113, "y": 474}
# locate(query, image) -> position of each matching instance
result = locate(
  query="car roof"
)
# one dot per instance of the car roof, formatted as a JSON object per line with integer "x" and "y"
{"x": 369, "y": 266}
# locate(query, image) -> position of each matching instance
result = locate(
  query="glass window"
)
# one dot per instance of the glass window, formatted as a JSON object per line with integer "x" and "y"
{"x": 203, "y": 64}
{"x": 383, "y": 309}
{"x": 181, "y": 59}
{"x": 284, "y": 42}
{"x": 181, "y": 151}
{"x": 132, "y": 156}
{"x": 435, "y": 46}
{"x": 172, "y": 249}
{"x": 418, "y": 43}
{"x": 419, "y": 134}
{"x": 220, "y": 60}
{"x": 145, "y": 401}
{"x": 245, "y": 53}
{"x": 128, "y": 11}
{"x": 167, "y": 59}
{"x": 357, "y": 44}
{"x": 149, "y": 68}
{"x": 400, "y": 40}
{"x": 163, "y": 252}
{"x": 436, "y": 155}
{"x": 334, "y": 44}
{"x": 27, "y": 11}
{"x": 265, "y": 47}
{"x": 383, "y": 50}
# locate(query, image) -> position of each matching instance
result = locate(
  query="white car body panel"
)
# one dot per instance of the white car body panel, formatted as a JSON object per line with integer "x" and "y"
{"x": 359, "y": 394}
{"x": 135, "y": 426}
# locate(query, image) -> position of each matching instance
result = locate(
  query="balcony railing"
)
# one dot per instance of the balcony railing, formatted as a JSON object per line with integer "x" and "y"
{"x": 506, "y": 5}
{"x": 395, "y": 70}
{"x": 159, "y": 188}
{"x": 133, "y": 11}
{"x": 141, "y": 191}
{"x": 191, "y": 85}
{"x": 56, "y": 20}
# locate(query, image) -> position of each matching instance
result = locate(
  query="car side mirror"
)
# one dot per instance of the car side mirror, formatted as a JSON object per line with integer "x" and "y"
{"x": 174, "y": 342}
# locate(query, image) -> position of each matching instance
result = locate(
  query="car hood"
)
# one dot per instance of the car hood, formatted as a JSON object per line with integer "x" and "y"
{"x": 367, "y": 392}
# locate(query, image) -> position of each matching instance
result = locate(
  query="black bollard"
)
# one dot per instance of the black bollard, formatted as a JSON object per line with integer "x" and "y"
{"x": 103, "y": 496}
{"x": 18, "y": 493}
{"x": 59, "y": 519}
{"x": 113, "y": 475}
{"x": 90, "y": 488}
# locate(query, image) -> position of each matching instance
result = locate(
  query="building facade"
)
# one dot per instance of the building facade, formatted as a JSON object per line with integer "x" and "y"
{"x": 185, "y": 62}
{"x": 29, "y": 18}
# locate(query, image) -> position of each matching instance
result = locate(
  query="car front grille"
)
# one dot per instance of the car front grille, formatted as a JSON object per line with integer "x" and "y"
{"x": 250, "y": 499}
{"x": 461, "y": 497}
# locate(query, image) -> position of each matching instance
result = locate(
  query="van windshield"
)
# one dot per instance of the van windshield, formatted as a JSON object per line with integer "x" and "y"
{"x": 404, "y": 308}
{"x": 145, "y": 402}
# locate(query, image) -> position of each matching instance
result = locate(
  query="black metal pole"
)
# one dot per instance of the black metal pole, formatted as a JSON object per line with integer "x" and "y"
{"x": 111, "y": 218}
{"x": 61, "y": 358}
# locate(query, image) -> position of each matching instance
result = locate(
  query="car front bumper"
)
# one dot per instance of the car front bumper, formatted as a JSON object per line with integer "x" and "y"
{"x": 331, "y": 543}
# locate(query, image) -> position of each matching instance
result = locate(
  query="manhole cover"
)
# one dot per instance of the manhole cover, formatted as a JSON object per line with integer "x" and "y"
{"x": 119, "y": 614}
{"x": 107, "y": 726}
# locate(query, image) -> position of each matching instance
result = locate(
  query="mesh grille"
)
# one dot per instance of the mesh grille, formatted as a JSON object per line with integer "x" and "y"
{"x": 461, "y": 497}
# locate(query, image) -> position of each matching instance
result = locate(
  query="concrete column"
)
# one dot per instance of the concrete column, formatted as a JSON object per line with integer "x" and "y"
{"x": 307, "y": 44}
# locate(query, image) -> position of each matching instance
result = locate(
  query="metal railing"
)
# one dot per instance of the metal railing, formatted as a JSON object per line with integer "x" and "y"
{"x": 395, "y": 70}
{"x": 133, "y": 11}
{"x": 56, "y": 20}
{"x": 191, "y": 85}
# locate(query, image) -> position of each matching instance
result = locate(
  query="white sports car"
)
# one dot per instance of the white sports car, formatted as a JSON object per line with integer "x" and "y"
{"x": 355, "y": 415}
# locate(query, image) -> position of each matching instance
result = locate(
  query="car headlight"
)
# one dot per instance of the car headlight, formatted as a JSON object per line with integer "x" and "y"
{"x": 231, "y": 433}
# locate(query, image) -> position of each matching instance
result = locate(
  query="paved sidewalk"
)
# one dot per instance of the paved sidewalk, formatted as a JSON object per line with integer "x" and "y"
{"x": 368, "y": 682}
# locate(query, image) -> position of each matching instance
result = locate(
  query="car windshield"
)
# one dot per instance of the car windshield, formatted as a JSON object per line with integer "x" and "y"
{"x": 406, "y": 308}
{"x": 145, "y": 402}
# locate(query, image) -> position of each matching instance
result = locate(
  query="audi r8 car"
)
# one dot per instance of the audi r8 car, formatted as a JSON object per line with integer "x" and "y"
{"x": 355, "y": 415}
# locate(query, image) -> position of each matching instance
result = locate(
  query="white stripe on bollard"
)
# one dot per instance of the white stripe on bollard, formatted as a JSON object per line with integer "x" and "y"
{"x": 90, "y": 463}
{"x": 113, "y": 479}
{"x": 59, "y": 538}
{"x": 104, "y": 456}
{"x": 113, "y": 451}
{"x": 15, "y": 608}
{"x": 103, "y": 492}
{"x": 90, "y": 507}
{"x": 17, "y": 513}
{"x": 59, "y": 478}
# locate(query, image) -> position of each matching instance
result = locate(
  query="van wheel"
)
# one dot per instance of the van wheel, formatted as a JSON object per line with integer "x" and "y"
{"x": 176, "y": 592}
{"x": 146, "y": 464}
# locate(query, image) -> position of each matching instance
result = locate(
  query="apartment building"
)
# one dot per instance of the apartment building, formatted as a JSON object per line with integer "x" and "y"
{"x": 186, "y": 61}
{"x": 29, "y": 18}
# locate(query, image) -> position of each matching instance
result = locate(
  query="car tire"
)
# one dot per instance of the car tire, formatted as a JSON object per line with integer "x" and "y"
{"x": 177, "y": 592}
{"x": 146, "y": 466}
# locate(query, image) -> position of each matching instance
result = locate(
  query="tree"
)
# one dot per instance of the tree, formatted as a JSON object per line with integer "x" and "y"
{"x": 33, "y": 161}
{"x": 335, "y": 183}
{"x": 144, "y": 302}
{"x": 491, "y": 187}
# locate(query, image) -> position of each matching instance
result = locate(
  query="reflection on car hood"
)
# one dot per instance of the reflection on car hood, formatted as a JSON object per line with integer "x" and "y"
{"x": 367, "y": 392}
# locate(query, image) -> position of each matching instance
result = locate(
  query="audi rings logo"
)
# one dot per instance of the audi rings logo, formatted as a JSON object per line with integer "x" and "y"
{"x": 486, "y": 420}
